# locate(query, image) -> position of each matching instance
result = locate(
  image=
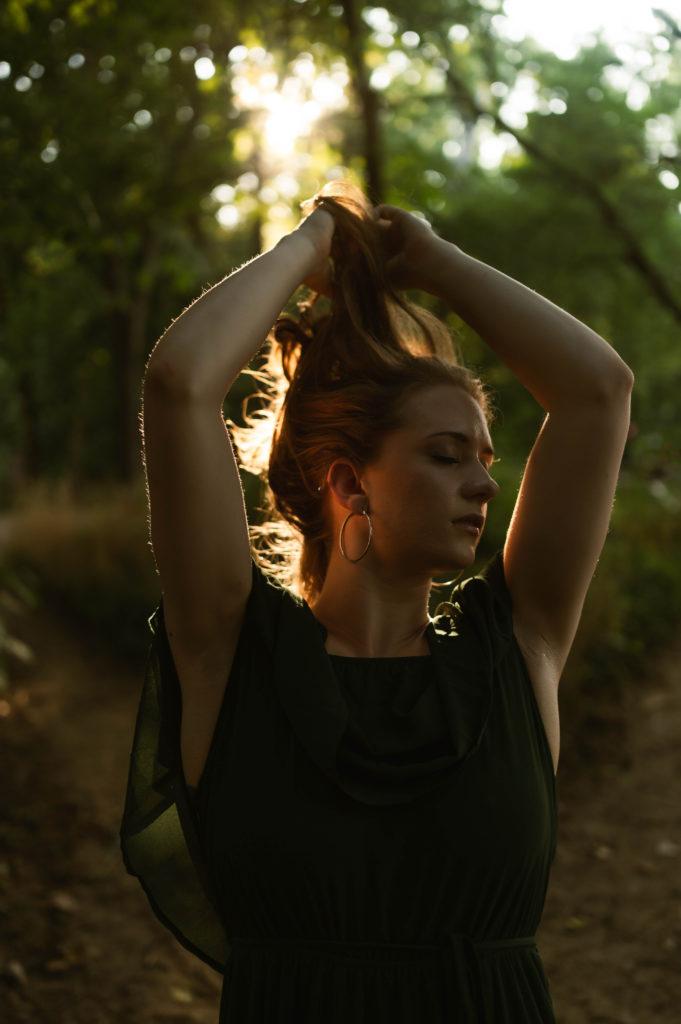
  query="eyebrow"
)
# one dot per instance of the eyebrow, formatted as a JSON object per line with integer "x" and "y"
{"x": 463, "y": 438}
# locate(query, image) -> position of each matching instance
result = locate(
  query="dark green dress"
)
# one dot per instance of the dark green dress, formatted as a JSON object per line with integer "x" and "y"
{"x": 371, "y": 839}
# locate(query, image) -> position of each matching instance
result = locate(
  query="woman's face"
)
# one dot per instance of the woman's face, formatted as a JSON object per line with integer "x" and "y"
{"x": 429, "y": 486}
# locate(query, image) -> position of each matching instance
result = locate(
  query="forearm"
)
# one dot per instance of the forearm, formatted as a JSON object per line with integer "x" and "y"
{"x": 558, "y": 359}
{"x": 205, "y": 349}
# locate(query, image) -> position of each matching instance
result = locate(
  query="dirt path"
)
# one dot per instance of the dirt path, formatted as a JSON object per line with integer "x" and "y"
{"x": 611, "y": 935}
{"x": 78, "y": 944}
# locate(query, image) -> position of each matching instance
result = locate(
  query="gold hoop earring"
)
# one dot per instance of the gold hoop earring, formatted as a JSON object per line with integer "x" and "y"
{"x": 365, "y": 513}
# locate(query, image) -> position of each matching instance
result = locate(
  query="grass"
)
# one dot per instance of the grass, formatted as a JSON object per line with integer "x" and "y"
{"x": 90, "y": 552}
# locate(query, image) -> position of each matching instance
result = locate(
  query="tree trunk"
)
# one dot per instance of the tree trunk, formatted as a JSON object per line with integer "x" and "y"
{"x": 129, "y": 329}
{"x": 121, "y": 349}
{"x": 30, "y": 454}
{"x": 368, "y": 101}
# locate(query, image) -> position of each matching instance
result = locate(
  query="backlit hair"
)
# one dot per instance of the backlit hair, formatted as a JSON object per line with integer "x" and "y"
{"x": 336, "y": 377}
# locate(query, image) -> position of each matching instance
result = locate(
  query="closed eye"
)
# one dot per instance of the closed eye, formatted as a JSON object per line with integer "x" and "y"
{"x": 445, "y": 458}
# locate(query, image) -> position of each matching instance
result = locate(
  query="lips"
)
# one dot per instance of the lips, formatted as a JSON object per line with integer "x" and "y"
{"x": 474, "y": 520}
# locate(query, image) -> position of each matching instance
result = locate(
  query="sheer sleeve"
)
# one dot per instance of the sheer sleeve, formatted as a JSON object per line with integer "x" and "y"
{"x": 159, "y": 833}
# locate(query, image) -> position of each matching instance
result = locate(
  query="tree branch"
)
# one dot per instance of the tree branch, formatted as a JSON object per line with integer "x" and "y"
{"x": 632, "y": 248}
{"x": 668, "y": 20}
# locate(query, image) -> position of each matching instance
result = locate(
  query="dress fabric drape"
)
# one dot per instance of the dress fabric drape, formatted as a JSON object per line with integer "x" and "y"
{"x": 371, "y": 839}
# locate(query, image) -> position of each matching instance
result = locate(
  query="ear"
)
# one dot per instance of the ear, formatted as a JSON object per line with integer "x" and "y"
{"x": 346, "y": 487}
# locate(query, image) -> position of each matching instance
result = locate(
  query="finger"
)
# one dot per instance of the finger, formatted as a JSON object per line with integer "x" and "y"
{"x": 386, "y": 212}
{"x": 314, "y": 209}
{"x": 390, "y": 233}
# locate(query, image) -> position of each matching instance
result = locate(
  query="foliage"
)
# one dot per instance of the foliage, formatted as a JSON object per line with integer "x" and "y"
{"x": 17, "y": 596}
{"x": 127, "y": 128}
{"x": 630, "y": 615}
{"x": 147, "y": 149}
{"x": 90, "y": 554}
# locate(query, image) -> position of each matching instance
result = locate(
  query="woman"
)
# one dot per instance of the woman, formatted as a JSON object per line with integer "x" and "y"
{"x": 347, "y": 806}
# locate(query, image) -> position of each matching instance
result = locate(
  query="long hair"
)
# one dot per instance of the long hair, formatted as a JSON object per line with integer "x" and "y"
{"x": 336, "y": 376}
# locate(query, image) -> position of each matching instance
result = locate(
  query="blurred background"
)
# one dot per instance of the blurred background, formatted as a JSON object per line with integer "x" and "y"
{"x": 148, "y": 149}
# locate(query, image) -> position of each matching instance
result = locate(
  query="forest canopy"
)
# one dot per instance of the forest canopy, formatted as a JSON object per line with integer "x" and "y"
{"x": 149, "y": 149}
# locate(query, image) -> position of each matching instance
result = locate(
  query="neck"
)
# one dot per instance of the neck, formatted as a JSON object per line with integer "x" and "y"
{"x": 370, "y": 616}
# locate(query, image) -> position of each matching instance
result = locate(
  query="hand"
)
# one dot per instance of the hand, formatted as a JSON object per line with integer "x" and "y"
{"x": 318, "y": 228}
{"x": 410, "y": 246}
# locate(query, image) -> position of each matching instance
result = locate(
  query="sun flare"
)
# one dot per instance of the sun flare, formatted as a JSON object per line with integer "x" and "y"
{"x": 289, "y": 105}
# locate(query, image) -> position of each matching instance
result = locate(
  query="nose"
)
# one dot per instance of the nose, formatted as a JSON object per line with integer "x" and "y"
{"x": 480, "y": 484}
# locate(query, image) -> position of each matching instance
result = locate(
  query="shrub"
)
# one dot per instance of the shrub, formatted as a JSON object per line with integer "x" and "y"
{"x": 91, "y": 552}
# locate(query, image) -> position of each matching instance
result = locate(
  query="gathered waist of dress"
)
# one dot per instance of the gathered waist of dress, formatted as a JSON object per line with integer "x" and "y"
{"x": 453, "y": 942}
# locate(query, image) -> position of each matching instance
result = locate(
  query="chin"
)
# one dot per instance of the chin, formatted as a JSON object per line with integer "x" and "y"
{"x": 455, "y": 563}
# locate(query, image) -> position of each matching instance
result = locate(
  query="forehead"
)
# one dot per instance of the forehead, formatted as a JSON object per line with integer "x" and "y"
{"x": 444, "y": 409}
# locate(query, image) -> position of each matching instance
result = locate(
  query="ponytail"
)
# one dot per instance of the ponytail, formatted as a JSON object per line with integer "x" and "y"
{"x": 336, "y": 375}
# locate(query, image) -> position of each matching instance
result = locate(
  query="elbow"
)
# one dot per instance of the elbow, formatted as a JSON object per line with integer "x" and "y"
{"x": 166, "y": 380}
{"x": 626, "y": 375}
{"x": 624, "y": 380}
{"x": 615, "y": 383}
{"x": 605, "y": 377}
{"x": 162, "y": 377}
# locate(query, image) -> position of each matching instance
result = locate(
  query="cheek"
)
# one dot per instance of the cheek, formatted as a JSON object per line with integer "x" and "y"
{"x": 409, "y": 498}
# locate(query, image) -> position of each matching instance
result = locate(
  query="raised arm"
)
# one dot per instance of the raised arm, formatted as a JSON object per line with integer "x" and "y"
{"x": 563, "y": 508}
{"x": 198, "y": 522}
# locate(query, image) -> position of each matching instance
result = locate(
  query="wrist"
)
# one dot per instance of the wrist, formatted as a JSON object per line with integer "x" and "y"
{"x": 445, "y": 260}
{"x": 298, "y": 250}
